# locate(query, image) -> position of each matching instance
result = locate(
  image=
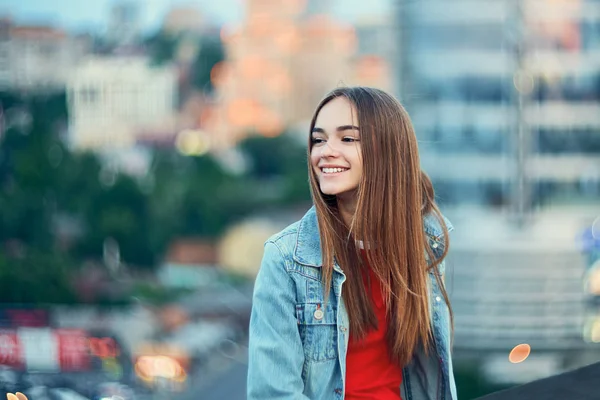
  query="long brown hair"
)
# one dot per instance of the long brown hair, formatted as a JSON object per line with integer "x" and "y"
{"x": 393, "y": 196}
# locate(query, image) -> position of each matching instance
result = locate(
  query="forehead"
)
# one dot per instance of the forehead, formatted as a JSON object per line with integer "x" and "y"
{"x": 339, "y": 111}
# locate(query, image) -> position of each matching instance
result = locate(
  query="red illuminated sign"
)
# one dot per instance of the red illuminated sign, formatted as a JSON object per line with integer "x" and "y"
{"x": 51, "y": 350}
{"x": 10, "y": 349}
{"x": 73, "y": 350}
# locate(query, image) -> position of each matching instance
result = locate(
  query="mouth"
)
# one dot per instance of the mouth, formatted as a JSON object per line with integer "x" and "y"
{"x": 333, "y": 171}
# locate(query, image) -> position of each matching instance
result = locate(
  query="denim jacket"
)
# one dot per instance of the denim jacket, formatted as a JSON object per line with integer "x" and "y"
{"x": 298, "y": 350}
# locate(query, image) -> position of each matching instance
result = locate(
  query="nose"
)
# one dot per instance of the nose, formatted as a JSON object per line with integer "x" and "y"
{"x": 328, "y": 150}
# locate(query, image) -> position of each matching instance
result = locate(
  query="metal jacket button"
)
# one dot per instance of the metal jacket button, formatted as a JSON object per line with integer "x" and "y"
{"x": 318, "y": 314}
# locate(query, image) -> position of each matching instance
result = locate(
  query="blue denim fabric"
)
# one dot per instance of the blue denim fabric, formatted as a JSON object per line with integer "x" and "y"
{"x": 298, "y": 345}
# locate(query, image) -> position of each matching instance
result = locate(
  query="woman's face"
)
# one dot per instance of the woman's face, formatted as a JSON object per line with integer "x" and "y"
{"x": 335, "y": 154}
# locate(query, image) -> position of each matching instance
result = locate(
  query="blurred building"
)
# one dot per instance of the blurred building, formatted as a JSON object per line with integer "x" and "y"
{"x": 505, "y": 99}
{"x": 37, "y": 58}
{"x": 124, "y": 23}
{"x": 280, "y": 62}
{"x": 189, "y": 263}
{"x": 113, "y": 99}
{"x": 511, "y": 285}
{"x": 475, "y": 74}
{"x": 187, "y": 23}
{"x": 184, "y": 19}
{"x": 375, "y": 52}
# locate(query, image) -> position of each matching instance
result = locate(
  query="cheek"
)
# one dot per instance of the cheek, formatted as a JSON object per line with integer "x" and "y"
{"x": 356, "y": 161}
{"x": 314, "y": 158}
{"x": 358, "y": 169}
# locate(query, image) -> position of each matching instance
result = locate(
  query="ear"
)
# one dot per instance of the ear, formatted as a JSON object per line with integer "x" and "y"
{"x": 21, "y": 396}
{"x": 10, "y": 396}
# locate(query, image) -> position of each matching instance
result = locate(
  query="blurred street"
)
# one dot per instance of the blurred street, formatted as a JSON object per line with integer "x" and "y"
{"x": 229, "y": 384}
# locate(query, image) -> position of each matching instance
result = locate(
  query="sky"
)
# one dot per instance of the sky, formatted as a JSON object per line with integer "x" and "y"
{"x": 78, "y": 15}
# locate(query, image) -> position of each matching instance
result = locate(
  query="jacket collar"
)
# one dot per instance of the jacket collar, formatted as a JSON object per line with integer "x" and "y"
{"x": 308, "y": 242}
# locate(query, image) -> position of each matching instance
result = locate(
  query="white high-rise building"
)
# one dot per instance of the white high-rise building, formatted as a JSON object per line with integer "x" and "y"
{"x": 505, "y": 99}
{"x": 463, "y": 69}
{"x": 112, "y": 99}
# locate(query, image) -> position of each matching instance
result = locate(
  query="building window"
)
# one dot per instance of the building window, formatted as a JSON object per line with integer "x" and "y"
{"x": 47, "y": 49}
{"x": 89, "y": 96}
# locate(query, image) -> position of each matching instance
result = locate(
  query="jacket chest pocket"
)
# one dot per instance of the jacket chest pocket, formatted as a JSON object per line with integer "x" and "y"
{"x": 318, "y": 330}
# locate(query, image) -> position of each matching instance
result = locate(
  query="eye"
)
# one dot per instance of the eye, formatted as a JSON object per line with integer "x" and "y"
{"x": 317, "y": 140}
{"x": 350, "y": 139}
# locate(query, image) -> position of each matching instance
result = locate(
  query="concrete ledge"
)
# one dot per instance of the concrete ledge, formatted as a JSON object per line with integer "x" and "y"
{"x": 580, "y": 384}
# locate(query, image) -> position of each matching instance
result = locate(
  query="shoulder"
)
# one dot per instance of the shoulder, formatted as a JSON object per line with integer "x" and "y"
{"x": 435, "y": 232}
{"x": 433, "y": 227}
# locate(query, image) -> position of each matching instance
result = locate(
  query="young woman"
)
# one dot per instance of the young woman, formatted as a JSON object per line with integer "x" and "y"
{"x": 349, "y": 302}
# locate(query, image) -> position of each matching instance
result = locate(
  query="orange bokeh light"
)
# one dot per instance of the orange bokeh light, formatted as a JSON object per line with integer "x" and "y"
{"x": 242, "y": 112}
{"x": 297, "y": 6}
{"x": 348, "y": 40}
{"x": 269, "y": 124}
{"x": 288, "y": 40}
{"x": 279, "y": 82}
{"x": 319, "y": 24}
{"x": 207, "y": 115}
{"x": 519, "y": 353}
{"x": 103, "y": 347}
{"x": 219, "y": 73}
{"x": 252, "y": 67}
{"x": 370, "y": 68}
{"x": 149, "y": 368}
{"x": 260, "y": 24}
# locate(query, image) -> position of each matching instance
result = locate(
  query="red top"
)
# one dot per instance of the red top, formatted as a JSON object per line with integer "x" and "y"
{"x": 369, "y": 372}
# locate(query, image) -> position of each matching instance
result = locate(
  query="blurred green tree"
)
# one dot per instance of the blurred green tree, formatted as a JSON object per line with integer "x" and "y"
{"x": 192, "y": 196}
{"x": 205, "y": 207}
{"x": 210, "y": 53}
{"x": 45, "y": 189}
{"x": 31, "y": 153}
{"x": 161, "y": 47}
{"x": 120, "y": 212}
{"x": 27, "y": 178}
{"x": 283, "y": 158}
{"x": 37, "y": 277}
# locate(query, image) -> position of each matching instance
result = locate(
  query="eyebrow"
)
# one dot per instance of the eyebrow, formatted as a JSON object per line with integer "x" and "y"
{"x": 339, "y": 128}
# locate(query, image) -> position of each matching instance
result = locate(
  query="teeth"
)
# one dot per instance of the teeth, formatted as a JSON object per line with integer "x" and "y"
{"x": 333, "y": 170}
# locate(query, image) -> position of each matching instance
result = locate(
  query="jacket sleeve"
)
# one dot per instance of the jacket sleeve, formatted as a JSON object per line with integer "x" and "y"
{"x": 275, "y": 354}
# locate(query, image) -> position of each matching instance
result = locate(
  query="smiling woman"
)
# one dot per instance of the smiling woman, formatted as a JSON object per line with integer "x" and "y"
{"x": 348, "y": 301}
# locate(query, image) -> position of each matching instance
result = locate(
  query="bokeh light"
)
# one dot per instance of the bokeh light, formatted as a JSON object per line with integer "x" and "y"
{"x": 192, "y": 142}
{"x": 519, "y": 353}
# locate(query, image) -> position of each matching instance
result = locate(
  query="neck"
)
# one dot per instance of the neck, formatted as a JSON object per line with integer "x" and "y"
{"x": 347, "y": 209}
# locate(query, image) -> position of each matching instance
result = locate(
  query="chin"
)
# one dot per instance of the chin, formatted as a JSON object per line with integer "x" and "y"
{"x": 329, "y": 191}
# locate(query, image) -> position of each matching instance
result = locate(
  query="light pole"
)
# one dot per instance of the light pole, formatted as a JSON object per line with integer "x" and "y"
{"x": 523, "y": 83}
{"x": 403, "y": 84}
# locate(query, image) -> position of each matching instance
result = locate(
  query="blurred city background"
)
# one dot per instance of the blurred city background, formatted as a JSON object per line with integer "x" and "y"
{"x": 148, "y": 148}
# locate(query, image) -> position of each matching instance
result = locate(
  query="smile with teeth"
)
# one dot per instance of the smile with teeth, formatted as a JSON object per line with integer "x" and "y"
{"x": 333, "y": 170}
